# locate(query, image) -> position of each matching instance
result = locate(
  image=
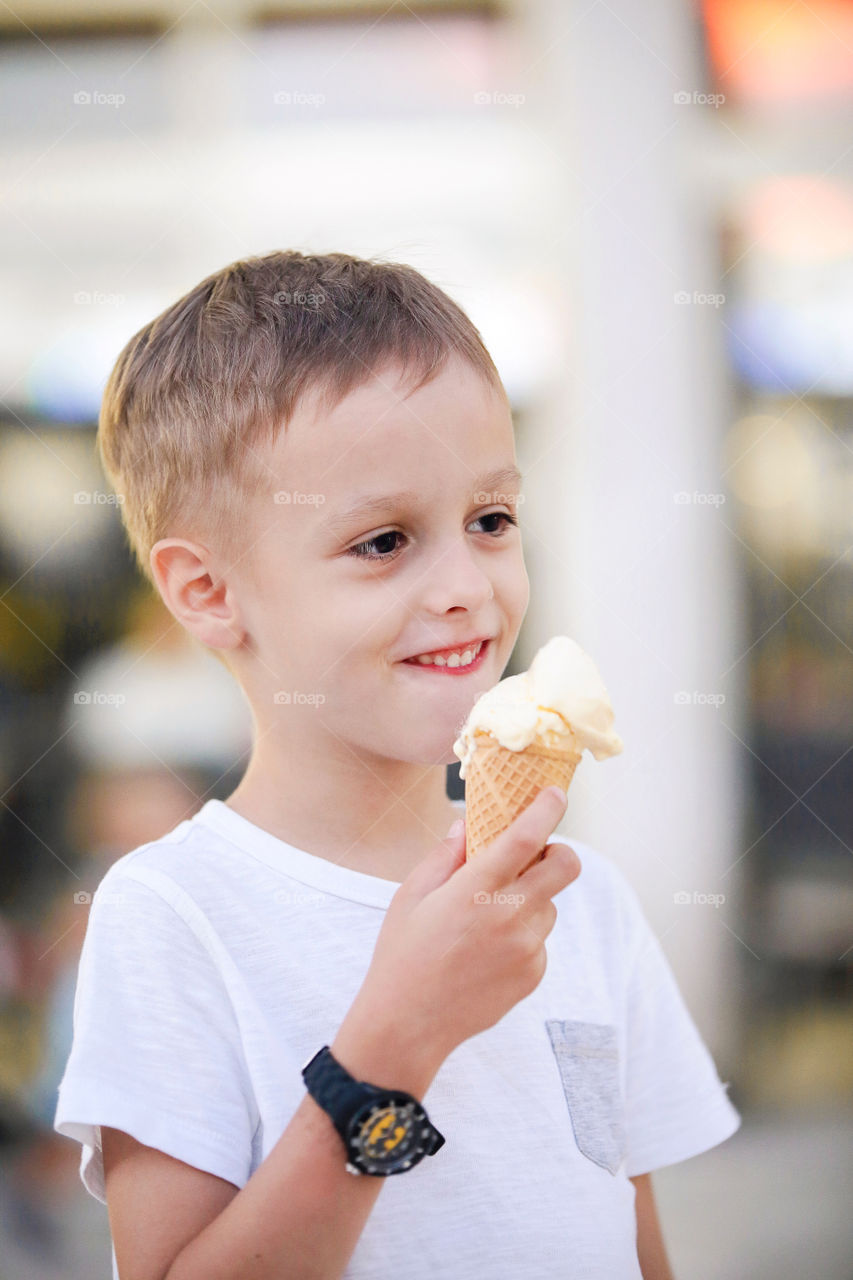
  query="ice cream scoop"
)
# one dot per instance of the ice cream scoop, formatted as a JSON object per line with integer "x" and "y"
{"x": 561, "y": 696}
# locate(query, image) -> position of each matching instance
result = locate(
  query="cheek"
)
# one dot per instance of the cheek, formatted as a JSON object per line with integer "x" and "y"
{"x": 299, "y": 621}
{"x": 360, "y": 619}
{"x": 513, "y": 585}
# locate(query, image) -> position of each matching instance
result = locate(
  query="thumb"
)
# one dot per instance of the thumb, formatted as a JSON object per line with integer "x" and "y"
{"x": 438, "y": 865}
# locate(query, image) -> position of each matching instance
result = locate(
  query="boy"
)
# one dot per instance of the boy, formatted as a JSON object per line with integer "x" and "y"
{"x": 318, "y": 468}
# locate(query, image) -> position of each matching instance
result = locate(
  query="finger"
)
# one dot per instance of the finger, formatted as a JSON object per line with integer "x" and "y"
{"x": 560, "y": 866}
{"x": 503, "y": 860}
{"x": 439, "y": 864}
{"x": 541, "y": 922}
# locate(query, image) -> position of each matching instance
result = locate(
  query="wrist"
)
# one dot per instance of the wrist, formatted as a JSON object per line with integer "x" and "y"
{"x": 372, "y": 1051}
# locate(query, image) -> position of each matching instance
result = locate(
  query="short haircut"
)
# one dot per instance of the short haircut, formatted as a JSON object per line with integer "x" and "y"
{"x": 199, "y": 393}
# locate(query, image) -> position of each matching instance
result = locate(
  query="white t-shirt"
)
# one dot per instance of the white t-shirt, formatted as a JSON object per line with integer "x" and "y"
{"x": 218, "y": 959}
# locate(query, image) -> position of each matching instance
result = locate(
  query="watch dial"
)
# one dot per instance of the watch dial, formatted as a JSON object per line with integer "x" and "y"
{"x": 389, "y": 1135}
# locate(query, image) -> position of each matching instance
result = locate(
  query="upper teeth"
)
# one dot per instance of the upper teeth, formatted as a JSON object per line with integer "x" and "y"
{"x": 458, "y": 658}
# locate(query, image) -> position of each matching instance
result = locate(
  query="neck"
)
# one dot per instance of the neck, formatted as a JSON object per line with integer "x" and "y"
{"x": 379, "y": 817}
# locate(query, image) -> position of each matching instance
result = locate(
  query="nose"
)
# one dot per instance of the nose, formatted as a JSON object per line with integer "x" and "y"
{"x": 454, "y": 580}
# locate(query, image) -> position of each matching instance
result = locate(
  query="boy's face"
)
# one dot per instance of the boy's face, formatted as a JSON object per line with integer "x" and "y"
{"x": 335, "y": 604}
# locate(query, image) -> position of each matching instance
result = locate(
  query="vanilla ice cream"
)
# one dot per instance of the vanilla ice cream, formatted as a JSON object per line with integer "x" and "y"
{"x": 560, "y": 699}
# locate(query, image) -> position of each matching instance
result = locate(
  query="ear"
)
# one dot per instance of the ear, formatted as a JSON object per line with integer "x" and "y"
{"x": 195, "y": 594}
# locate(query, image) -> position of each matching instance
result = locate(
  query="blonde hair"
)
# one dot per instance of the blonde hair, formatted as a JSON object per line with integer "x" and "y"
{"x": 199, "y": 393}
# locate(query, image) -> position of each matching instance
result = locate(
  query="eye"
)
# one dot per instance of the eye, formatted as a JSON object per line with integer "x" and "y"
{"x": 380, "y": 541}
{"x": 501, "y": 516}
{"x": 384, "y": 546}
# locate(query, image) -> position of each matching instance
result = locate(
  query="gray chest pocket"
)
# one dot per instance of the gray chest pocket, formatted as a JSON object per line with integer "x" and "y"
{"x": 587, "y": 1055}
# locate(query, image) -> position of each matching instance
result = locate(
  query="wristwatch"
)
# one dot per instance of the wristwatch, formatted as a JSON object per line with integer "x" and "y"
{"x": 384, "y": 1131}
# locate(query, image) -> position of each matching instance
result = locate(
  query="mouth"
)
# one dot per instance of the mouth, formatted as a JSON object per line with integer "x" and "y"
{"x": 459, "y": 660}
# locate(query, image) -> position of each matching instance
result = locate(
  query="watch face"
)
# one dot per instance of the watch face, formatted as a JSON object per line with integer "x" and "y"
{"x": 389, "y": 1136}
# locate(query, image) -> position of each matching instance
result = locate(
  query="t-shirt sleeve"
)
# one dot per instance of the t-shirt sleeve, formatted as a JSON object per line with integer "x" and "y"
{"x": 675, "y": 1105}
{"x": 156, "y": 1050}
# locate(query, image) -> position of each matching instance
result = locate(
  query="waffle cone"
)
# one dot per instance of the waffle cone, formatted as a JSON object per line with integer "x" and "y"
{"x": 500, "y": 783}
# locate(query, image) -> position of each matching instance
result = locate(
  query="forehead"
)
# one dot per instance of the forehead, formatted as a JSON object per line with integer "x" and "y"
{"x": 385, "y": 432}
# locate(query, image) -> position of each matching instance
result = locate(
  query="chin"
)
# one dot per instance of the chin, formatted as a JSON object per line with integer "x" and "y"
{"x": 449, "y": 756}
{"x": 428, "y": 756}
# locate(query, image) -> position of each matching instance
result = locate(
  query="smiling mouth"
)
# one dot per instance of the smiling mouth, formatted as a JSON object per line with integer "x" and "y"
{"x": 464, "y": 657}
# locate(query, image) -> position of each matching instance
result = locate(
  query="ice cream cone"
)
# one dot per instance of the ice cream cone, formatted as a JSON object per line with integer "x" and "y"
{"x": 499, "y": 783}
{"x": 528, "y": 732}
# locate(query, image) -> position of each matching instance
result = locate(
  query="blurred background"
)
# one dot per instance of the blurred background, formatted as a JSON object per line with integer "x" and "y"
{"x": 648, "y": 212}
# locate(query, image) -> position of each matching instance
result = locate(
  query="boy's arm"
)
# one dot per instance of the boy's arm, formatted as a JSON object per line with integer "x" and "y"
{"x": 300, "y": 1214}
{"x": 651, "y": 1249}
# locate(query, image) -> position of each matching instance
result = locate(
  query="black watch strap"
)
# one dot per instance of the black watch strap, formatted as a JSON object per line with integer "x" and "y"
{"x": 333, "y": 1088}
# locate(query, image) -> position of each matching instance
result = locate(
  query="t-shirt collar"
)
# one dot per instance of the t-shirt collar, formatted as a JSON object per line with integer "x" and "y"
{"x": 307, "y": 868}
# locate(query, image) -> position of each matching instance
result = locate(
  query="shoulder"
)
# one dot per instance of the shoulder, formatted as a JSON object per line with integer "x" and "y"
{"x": 164, "y": 849}
{"x": 154, "y": 894}
{"x": 174, "y": 866}
{"x": 148, "y": 931}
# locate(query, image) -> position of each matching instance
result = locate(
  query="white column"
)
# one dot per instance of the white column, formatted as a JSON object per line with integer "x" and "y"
{"x": 646, "y": 584}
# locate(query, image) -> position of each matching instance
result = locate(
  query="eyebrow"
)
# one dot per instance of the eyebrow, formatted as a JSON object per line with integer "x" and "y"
{"x": 510, "y": 476}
